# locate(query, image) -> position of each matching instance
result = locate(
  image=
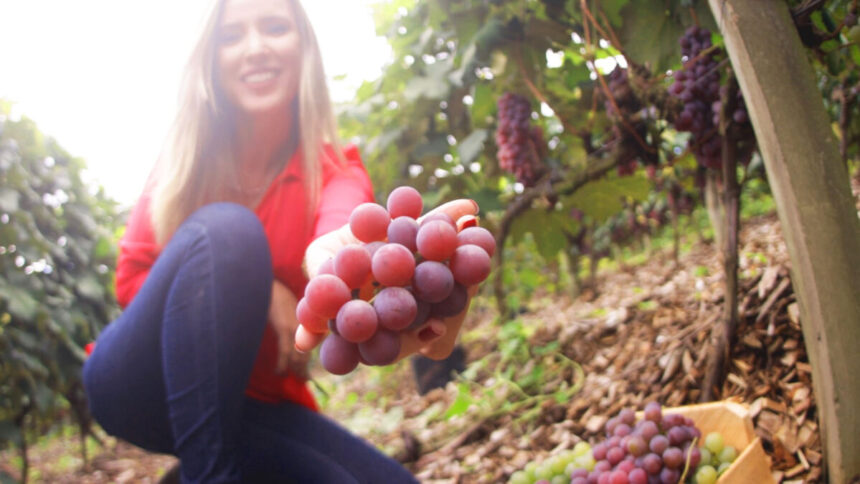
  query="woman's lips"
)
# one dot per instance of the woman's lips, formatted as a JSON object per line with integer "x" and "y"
{"x": 260, "y": 79}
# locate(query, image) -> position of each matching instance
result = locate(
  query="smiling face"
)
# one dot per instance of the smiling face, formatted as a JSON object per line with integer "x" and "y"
{"x": 258, "y": 55}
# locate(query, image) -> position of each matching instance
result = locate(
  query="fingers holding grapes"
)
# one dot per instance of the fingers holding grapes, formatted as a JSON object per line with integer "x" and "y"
{"x": 403, "y": 288}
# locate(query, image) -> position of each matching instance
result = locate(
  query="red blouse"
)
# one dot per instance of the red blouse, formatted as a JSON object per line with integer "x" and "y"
{"x": 288, "y": 232}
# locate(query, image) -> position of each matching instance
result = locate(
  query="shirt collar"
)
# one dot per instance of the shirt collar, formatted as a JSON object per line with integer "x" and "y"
{"x": 293, "y": 170}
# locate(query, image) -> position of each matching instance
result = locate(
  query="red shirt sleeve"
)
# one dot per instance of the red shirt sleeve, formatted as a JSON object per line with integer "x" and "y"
{"x": 344, "y": 188}
{"x": 137, "y": 251}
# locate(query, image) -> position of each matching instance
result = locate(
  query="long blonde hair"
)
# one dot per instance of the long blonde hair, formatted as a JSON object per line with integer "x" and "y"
{"x": 197, "y": 165}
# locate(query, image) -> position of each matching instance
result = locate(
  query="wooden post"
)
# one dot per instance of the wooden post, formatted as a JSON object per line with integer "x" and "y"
{"x": 816, "y": 209}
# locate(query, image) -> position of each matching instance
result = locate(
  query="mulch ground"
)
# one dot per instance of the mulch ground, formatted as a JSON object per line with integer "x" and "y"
{"x": 641, "y": 334}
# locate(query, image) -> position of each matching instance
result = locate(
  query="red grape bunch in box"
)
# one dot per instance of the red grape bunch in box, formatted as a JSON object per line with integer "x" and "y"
{"x": 406, "y": 270}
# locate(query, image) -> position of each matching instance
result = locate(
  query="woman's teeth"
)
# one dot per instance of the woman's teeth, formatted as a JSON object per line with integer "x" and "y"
{"x": 259, "y": 77}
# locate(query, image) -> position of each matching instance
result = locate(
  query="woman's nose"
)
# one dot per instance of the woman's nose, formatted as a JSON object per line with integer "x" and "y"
{"x": 256, "y": 43}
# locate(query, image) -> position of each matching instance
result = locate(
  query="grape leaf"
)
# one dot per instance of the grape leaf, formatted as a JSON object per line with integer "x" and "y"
{"x": 601, "y": 199}
{"x": 651, "y": 33}
{"x": 484, "y": 102}
{"x": 547, "y": 229}
{"x": 471, "y": 147}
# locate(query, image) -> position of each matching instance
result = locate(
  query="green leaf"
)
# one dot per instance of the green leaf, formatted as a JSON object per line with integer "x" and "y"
{"x": 484, "y": 102}
{"x": 381, "y": 142}
{"x": 9, "y": 200}
{"x": 434, "y": 85}
{"x": 30, "y": 363}
{"x": 426, "y": 87}
{"x": 90, "y": 288}
{"x": 529, "y": 278}
{"x": 547, "y": 229}
{"x": 462, "y": 403}
{"x": 471, "y": 147}
{"x": 434, "y": 198}
{"x": 612, "y": 9}
{"x": 601, "y": 199}
{"x": 467, "y": 68}
{"x": 650, "y": 34}
{"x": 105, "y": 248}
{"x": 19, "y": 302}
{"x": 435, "y": 148}
{"x": 487, "y": 199}
{"x": 575, "y": 74}
{"x": 550, "y": 243}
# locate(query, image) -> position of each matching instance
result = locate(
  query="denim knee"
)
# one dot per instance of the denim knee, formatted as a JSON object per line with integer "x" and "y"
{"x": 236, "y": 235}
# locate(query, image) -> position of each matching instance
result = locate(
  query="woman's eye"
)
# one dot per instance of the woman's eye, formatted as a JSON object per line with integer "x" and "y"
{"x": 277, "y": 28}
{"x": 228, "y": 37}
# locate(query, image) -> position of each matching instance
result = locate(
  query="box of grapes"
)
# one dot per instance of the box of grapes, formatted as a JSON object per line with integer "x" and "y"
{"x": 732, "y": 422}
{"x": 695, "y": 444}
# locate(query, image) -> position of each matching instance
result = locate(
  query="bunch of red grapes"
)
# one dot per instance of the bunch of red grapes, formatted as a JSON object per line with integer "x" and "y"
{"x": 521, "y": 145}
{"x": 403, "y": 273}
{"x": 656, "y": 449}
{"x": 698, "y": 87}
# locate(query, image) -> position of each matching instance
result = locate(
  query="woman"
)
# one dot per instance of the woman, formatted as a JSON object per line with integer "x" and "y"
{"x": 202, "y": 362}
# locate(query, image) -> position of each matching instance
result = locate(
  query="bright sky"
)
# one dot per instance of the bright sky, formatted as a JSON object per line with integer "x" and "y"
{"x": 102, "y": 76}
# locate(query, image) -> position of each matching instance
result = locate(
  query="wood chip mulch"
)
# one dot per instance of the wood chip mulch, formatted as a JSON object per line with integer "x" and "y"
{"x": 644, "y": 336}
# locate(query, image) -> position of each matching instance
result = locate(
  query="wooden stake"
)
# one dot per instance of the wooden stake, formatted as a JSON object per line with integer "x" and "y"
{"x": 816, "y": 209}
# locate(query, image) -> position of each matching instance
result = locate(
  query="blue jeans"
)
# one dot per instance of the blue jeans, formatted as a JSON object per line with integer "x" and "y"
{"x": 169, "y": 374}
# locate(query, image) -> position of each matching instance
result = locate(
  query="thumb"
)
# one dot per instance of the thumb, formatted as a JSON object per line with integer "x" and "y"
{"x": 456, "y": 208}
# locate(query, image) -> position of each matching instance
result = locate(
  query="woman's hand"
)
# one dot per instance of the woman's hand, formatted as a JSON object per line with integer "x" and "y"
{"x": 282, "y": 317}
{"x": 435, "y": 338}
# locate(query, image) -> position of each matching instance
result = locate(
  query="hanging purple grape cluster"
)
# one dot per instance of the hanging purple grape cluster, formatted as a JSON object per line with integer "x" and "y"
{"x": 521, "y": 145}
{"x": 628, "y": 150}
{"x": 698, "y": 87}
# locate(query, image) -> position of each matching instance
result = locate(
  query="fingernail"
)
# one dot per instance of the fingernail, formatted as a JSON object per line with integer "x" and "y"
{"x": 475, "y": 206}
{"x": 434, "y": 330}
{"x": 427, "y": 334}
{"x": 467, "y": 221}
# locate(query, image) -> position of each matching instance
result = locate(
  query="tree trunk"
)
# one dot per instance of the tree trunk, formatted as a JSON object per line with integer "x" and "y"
{"x": 25, "y": 454}
{"x": 715, "y": 208}
{"x": 594, "y": 261}
{"x": 725, "y": 335}
{"x": 815, "y": 206}
{"x": 676, "y": 237}
{"x": 573, "y": 272}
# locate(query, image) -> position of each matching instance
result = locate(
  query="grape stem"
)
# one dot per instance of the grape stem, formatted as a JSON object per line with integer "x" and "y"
{"x": 624, "y": 122}
{"x": 611, "y": 37}
{"x": 539, "y": 95}
{"x": 687, "y": 460}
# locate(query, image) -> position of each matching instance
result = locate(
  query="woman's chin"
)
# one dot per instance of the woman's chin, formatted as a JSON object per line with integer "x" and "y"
{"x": 263, "y": 107}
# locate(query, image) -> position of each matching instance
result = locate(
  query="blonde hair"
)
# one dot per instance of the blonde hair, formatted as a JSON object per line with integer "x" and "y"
{"x": 197, "y": 166}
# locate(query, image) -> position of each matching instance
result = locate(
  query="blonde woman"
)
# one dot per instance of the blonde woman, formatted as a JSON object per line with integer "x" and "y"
{"x": 252, "y": 185}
